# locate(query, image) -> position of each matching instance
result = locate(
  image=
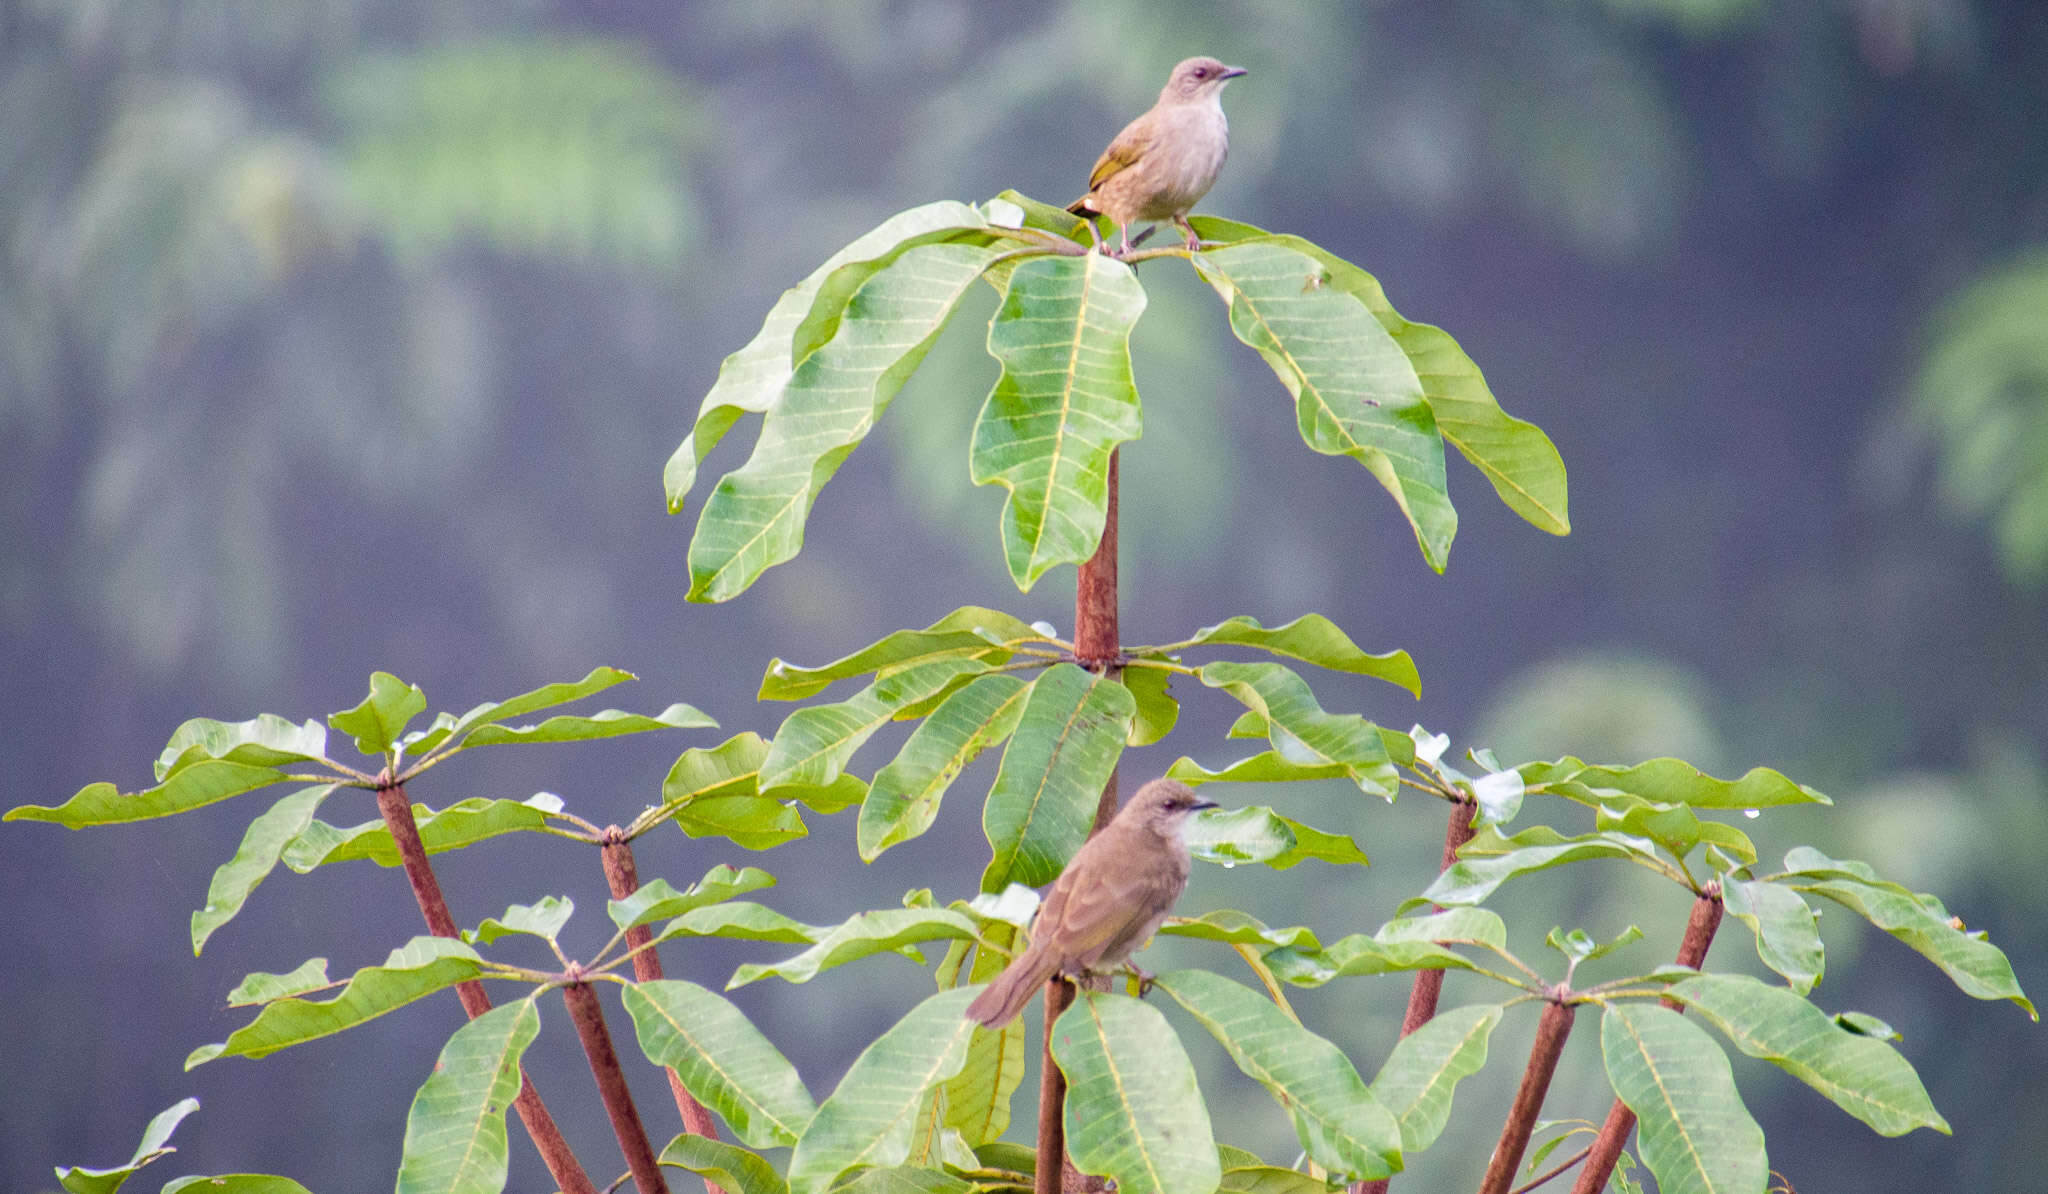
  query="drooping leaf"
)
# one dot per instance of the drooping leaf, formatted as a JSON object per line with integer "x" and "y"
{"x": 195, "y": 785}
{"x": 1425, "y": 1067}
{"x": 235, "y": 1183}
{"x": 260, "y": 987}
{"x": 904, "y": 799}
{"x": 742, "y": 920}
{"x": 1060, "y": 756}
{"x": 977, "y": 1099}
{"x": 154, "y": 1145}
{"x": 544, "y": 919}
{"x": 815, "y": 742}
{"x": 1300, "y": 731}
{"x": 722, "y": 1059}
{"x": 446, "y": 725}
{"x": 751, "y": 380}
{"x": 1154, "y": 711}
{"x": 988, "y": 635}
{"x": 455, "y": 1132}
{"x": 263, "y": 741}
{"x": 1340, "y": 1123}
{"x": 416, "y": 969}
{"x": 755, "y": 516}
{"x": 1356, "y": 393}
{"x": 1269, "y": 1179}
{"x": 1064, "y": 402}
{"x": 888, "y": 930}
{"x": 464, "y": 823}
{"x": 1255, "y": 833}
{"x": 1237, "y": 928}
{"x": 728, "y": 1166}
{"x": 608, "y": 723}
{"x": 1787, "y": 939}
{"x": 1358, "y": 954}
{"x": 1452, "y": 924}
{"x": 1473, "y": 878}
{"x": 378, "y": 722}
{"x": 1669, "y": 781}
{"x": 262, "y": 844}
{"x": 1696, "y": 1136}
{"x": 869, "y": 1118}
{"x": 1266, "y": 767}
{"x": 658, "y": 899}
{"x": 904, "y": 1179}
{"x": 1313, "y": 638}
{"x": 1860, "y": 1074}
{"x": 1133, "y": 1111}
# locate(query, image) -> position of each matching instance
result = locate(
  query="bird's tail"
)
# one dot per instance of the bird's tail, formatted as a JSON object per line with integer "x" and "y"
{"x": 1013, "y": 988}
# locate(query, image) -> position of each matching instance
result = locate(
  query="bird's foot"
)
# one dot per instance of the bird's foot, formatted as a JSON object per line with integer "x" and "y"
{"x": 1141, "y": 978}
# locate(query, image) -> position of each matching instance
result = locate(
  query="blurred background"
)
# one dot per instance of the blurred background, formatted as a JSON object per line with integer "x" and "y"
{"x": 353, "y": 334}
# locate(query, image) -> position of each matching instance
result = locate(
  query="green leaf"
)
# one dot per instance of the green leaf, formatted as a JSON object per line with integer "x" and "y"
{"x": 1341, "y": 1125}
{"x": 416, "y": 969}
{"x": 1154, "y": 711}
{"x": 263, "y": 741}
{"x": 1064, "y": 402}
{"x": 1269, "y": 1179}
{"x": 722, "y": 1059}
{"x": 755, "y": 516}
{"x": 1255, "y": 833}
{"x": 1133, "y": 1111}
{"x": 193, "y": 786}
{"x": 1452, "y": 924}
{"x": 260, "y": 987}
{"x": 1237, "y": 928}
{"x": 1696, "y": 1136}
{"x": 728, "y": 1166}
{"x": 751, "y": 380}
{"x": 814, "y": 743}
{"x": 609, "y": 723}
{"x": 1669, "y": 781}
{"x": 988, "y": 635}
{"x": 235, "y": 1183}
{"x": 1860, "y": 1074}
{"x": 751, "y": 822}
{"x": 1470, "y": 880}
{"x": 904, "y": 799}
{"x": 543, "y": 919}
{"x": 904, "y": 1179}
{"x": 79, "y": 1180}
{"x": 1301, "y": 733}
{"x": 869, "y": 1119}
{"x": 1425, "y": 1067}
{"x": 742, "y": 920}
{"x": 889, "y": 930}
{"x": 377, "y": 723}
{"x": 1979, "y": 968}
{"x": 262, "y": 844}
{"x": 657, "y": 900}
{"x": 1356, "y": 393}
{"x": 455, "y": 1132}
{"x": 1313, "y": 638}
{"x": 1787, "y": 939}
{"x": 1060, "y": 756}
{"x": 1266, "y": 767}
{"x": 447, "y": 725}
{"x": 977, "y": 1099}
{"x": 1356, "y": 955}
{"x": 464, "y": 823}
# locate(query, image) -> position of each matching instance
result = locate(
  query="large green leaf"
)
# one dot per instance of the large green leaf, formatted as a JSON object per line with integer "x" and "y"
{"x": 751, "y": 380}
{"x": 1064, "y": 402}
{"x": 977, "y": 1099}
{"x": 153, "y": 1146}
{"x": 1060, "y": 756}
{"x": 416, "y": 969}
{"x": 262, "y": 844}
{"x": 1340, "y": 1123}
{"x": 888, "y": 930}
{"x": 722, "y": 1059}
{"x": 659, "y": 900}
{"x": 1668, "y": 781}
{"x": 1266, "y": 767}
{"x": 377, "y": 723}
{"x": 1133, "y": 1110}
{"x": 607, "y": 723}
{"x": 1696, "y": 1135}
{"x": 716, "y": 792}
{"x": 986, "y": 634}
{"x": 1300, "y": 731}
{"x": 728, "y": 1166}
{"x": 235, "y": 1183}
{"x": 262, "y": 741}
{"x": 742, "y": 920}
{"x": 755, "y": 516}
{"x": 1515, "y": 456}
{"x": 1356, "y": 393}
{"x": 195, "y": 785}
{"x": 1424, "y": 1069}
{"x": 1312, "y": 638}
{"x": 464, "y": 823}
{"x": 904, "y": 798}
{"x": 1254, "y": 833}
{"x": 1497, "y": 859}
{"x": 1860, "y": 1074}
{"x": 1787, "y": 939}
{"x": 815, "y": 742}
{"x": 446, "y": 725}
{"x": 1237, "y": 928}
{"x": 869, "y": 1119}
{"x": 455, "y": 1132}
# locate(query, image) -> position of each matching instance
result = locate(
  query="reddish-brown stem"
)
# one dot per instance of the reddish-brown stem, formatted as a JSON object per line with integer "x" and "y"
{"x": 1551, "y": 1033}
{"x": 1096, "y": 647}
{"x": 426, "y": 890}
{"x": 588, "y": 1015}
{"x": 1692, "y": 951}
{"x": 1429, "y": 984}
{"x": 624, "y": 879}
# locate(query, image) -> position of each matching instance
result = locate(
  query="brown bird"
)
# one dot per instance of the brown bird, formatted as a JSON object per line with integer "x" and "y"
{"x": 1163, "y": 162}
{"x": 1106, "y": 904}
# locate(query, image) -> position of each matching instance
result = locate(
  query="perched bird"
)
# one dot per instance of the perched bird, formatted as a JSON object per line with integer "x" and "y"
{"x": 1163, "y": 162}
{"x": 1106, "y": 904}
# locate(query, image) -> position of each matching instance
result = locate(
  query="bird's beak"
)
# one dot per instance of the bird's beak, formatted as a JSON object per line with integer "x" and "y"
{"x": 1231, "y": 72}
{"x": 1199, "y": 805}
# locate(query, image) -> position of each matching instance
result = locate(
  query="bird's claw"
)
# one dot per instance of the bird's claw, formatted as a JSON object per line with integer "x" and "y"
{"x": 1144, "y": 978}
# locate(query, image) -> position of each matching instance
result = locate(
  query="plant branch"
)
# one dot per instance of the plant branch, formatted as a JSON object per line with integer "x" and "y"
{"x": 426, "y": 889}
{"x": 623, "y": 878}
{"x": 588, "y": 1015}
{"x": 1692, "y": 951}
{"x": 1551, "y": 1033}
{"x": 1553, "y": 1171}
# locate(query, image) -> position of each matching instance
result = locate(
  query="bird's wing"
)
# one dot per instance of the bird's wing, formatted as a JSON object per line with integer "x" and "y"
{"x": 1124, "y": 151}
{"x": 1105, "y": 910}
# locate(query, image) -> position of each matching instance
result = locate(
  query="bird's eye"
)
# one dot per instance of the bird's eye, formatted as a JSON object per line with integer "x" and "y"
{"x": 1201, "y": 72}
